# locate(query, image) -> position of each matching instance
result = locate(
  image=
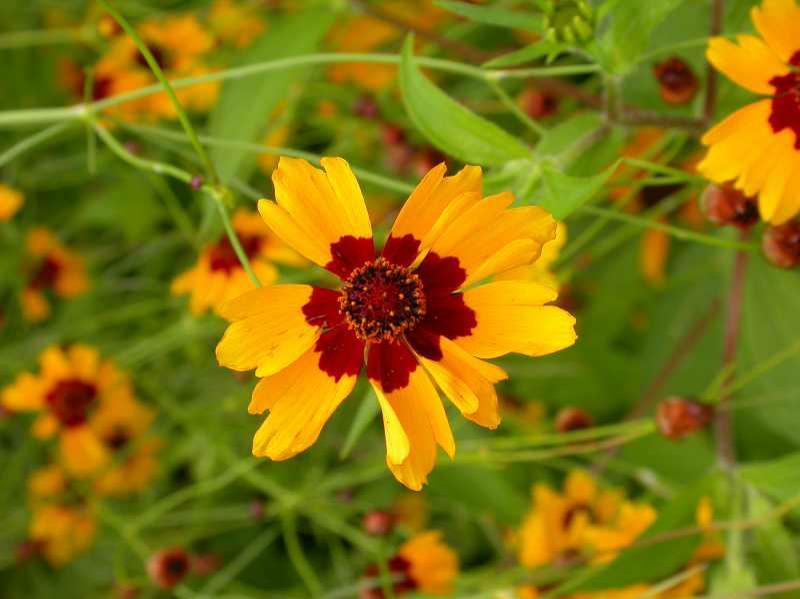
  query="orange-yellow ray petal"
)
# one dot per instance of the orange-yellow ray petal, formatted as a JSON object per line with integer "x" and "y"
{"x": 749, "y": 63}
{"x": 778, "y": 22}
{"x": 307, "y": 243}
{"x": 349, "y": 196}
{"x": 82, "y": 452}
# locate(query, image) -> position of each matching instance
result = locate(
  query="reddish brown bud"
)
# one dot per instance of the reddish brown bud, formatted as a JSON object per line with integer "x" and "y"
{"x": 168, "y": 567}
{"x": 678, "y": 417}
{"x": 573, "y": 419}
{"x": 366, "y": 107}
{"x": 538, "y": 104}
{"x": 724, "y": 205}
{"x": 378, "y": 523}
{"x": 204, "y": 564}
{"x": 27, "y": 550}
{"x": 781, "y": 244}
{"x": 392, "y": 135}
{"x": 677, "y": 82}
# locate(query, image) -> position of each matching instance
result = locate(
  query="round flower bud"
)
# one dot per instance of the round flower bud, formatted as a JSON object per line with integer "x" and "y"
{"x": 573, "y": 419}
{"x": 677, "y": 82}
{"x": 724, "y": 205}
{"x": 168, "y": 567}
{"x": 378, "y": 523}
{"x": 781, "y": 244}
{"x": 678, "y": 417}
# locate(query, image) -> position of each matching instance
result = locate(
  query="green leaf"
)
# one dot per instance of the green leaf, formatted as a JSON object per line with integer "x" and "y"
{"x": 547, "y": 48}
{"x": 779, "y": 479}
{"x": 246, "y": 105}
{"x": 775, "y": 557}
{"x": 650, "y": 562}
{"x": 448, "y": 125}
{"x": 559, "y": 139}
{"x": 564, "y": 193}
{"x": 631, "y": 24}
{"x": 367, "y": 411}
{"x": 491, "y": 15}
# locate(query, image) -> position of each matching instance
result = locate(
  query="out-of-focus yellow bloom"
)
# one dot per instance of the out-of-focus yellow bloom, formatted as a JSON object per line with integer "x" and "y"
{"x": 218, "y": 276}
{"x": 55, "y": 269}
{"x": 235, "y": 22}
{"x": 72, "y": 387}
{"x": 10, "y": 202}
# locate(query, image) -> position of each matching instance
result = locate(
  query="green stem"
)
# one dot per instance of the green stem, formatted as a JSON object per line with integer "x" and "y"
{"x": 234, "y": 239}
{"x": 49, "y": 115}
{"x": 46, "y": 37}
{"x": 211, "y": 172}
{"x": 512, "y": 106}
{"x": 677, "y": 232}
{"x": 297, "y": 557}
{"x": 33, "y": 141}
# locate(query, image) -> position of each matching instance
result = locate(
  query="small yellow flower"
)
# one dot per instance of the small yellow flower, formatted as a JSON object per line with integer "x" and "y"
{"x": 432, "y": 565}
{"x": 10, "y": 202}
{"x": 62, "y": 523}
{"x": 72, "y": 387}
{"x": 218, "y": 276}
{"x": 758, "y": 146}
{"x": 55, "y": 269}
{"x": 413, "y": 312}
{"x": 235, "y": 22}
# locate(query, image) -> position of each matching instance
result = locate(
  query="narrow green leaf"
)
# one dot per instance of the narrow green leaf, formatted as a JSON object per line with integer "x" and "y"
{"x": 564, "y": 193}
{"x": 367, "y": 411}
{"x": 491, "y": 15}
{"x": 246, "y": 105}
{"x": 776, "y": 557}
{"x": 547, "y": 48}
{"x": 780, "y": 479}
{"x": 448, "y": 125}
{"x": 650, "y": 562}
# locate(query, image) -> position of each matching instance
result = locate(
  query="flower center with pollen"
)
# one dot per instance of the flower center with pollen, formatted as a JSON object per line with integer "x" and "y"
{"x": 381, "y": 300}
{"x": 70, "y": 401}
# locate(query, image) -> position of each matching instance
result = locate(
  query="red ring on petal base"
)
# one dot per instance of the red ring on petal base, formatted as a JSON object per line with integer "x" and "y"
{"x": 349, "y": 253}
{"x": 786, "y": 102}
{"x": 71, "y": 400}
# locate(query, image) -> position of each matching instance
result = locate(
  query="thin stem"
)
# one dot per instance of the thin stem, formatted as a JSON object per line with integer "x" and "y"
{"x": 211, "y": 172}
{"x": 762, "y": 368}
{"x": 723, "y": 430}
{"x": 677, "y": 232}
{"x": 297, "y": 557}
{"x": 33, "y": 141}
{"x": 512, "y": 106}
{"x": 234, "y": 239}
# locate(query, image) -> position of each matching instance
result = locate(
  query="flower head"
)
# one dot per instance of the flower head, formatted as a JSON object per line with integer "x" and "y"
{"x": 54, "y": 268}
{"x": 10, "y": 202}
{"x": 218, "y": 276}
{"x": 758, "y": 147}
{"x": 72, "y": 391}
{"x": 412, "y": 313}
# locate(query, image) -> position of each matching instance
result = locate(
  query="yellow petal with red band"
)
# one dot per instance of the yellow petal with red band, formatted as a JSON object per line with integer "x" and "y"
{"x": 512, "y": 318}
{"x": 271, "y": 338}
{"x": 82, "y": 451}
{"x": 300, "y": 399}
{"x": 778, "y": 22}
{"x": 749, "y": 63}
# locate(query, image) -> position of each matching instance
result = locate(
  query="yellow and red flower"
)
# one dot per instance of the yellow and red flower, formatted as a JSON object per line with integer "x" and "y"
{"x": 423, "y": 564}
{"x": 10, "y": 202}
{"x": 218, "y": 275}
{"x": 72, "y": 388}
{"x": 412, "y": 312}
{"x": 54, "y": 269}
{"x": 758, "y": 146}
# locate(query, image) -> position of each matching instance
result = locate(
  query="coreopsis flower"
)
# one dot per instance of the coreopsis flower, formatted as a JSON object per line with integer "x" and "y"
{"x": 423, "y": 564}
{"x": 758, "y": 146}
{"x": 218, "y": 276}
{"x": 123, "y": 431}
{"x": 414, "y": 312}
{"x": 53, "y": 269}
{"x": 72, "y": 388}
{"x": 10, "y": 202}
{"x": 167, "y": 568}
{"x": 581, "y": 521}
{"x": 235, "y": 22}
{"x": 62, "y": 520}
{"x": 677, "y": 82}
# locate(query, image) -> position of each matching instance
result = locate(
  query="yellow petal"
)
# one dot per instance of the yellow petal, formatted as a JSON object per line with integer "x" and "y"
{"x": 301, "y": 399}
{"x": 85, "y": 361}
{"x": 289, "y": 232}
{"x": 348, "y": 193}
{"x": 778, "y": 22}
{"x": 774, "y": 193}
{"x": 54, "y": 364}
{"x": 749, "y": 63}
{"x": 83, "y": 453}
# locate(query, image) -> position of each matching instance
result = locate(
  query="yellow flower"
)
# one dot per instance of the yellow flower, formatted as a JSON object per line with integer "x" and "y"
{"x": 55, "y": 269}
{"x": 581, "y": 521}
{"x": 235, "y": 22}
{"x": 121, "y": 427}
{"x": 541, "y": 270}
{"x": 432, "y": 565}
{"x": 415, "y": 311}
{"x": 73, "y": 385}
{"x": 218, "y": 275}
{"x": 62, "y": 523}
{"x": 10, "y": 202}
{"x": 758, "y": 146}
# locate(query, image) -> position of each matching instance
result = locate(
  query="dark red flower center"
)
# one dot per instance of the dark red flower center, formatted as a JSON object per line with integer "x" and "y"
{"x": 786, "y": 101}
{"x": 573, "y": 512}
{"x": 381, "y": 300}
{"x": 161, "y": 56}
{"x": 223, "y": 257}
{"x": 46, "y": 274}
{"x": 118, "y": 439}
{"x": 71, "y": 401}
